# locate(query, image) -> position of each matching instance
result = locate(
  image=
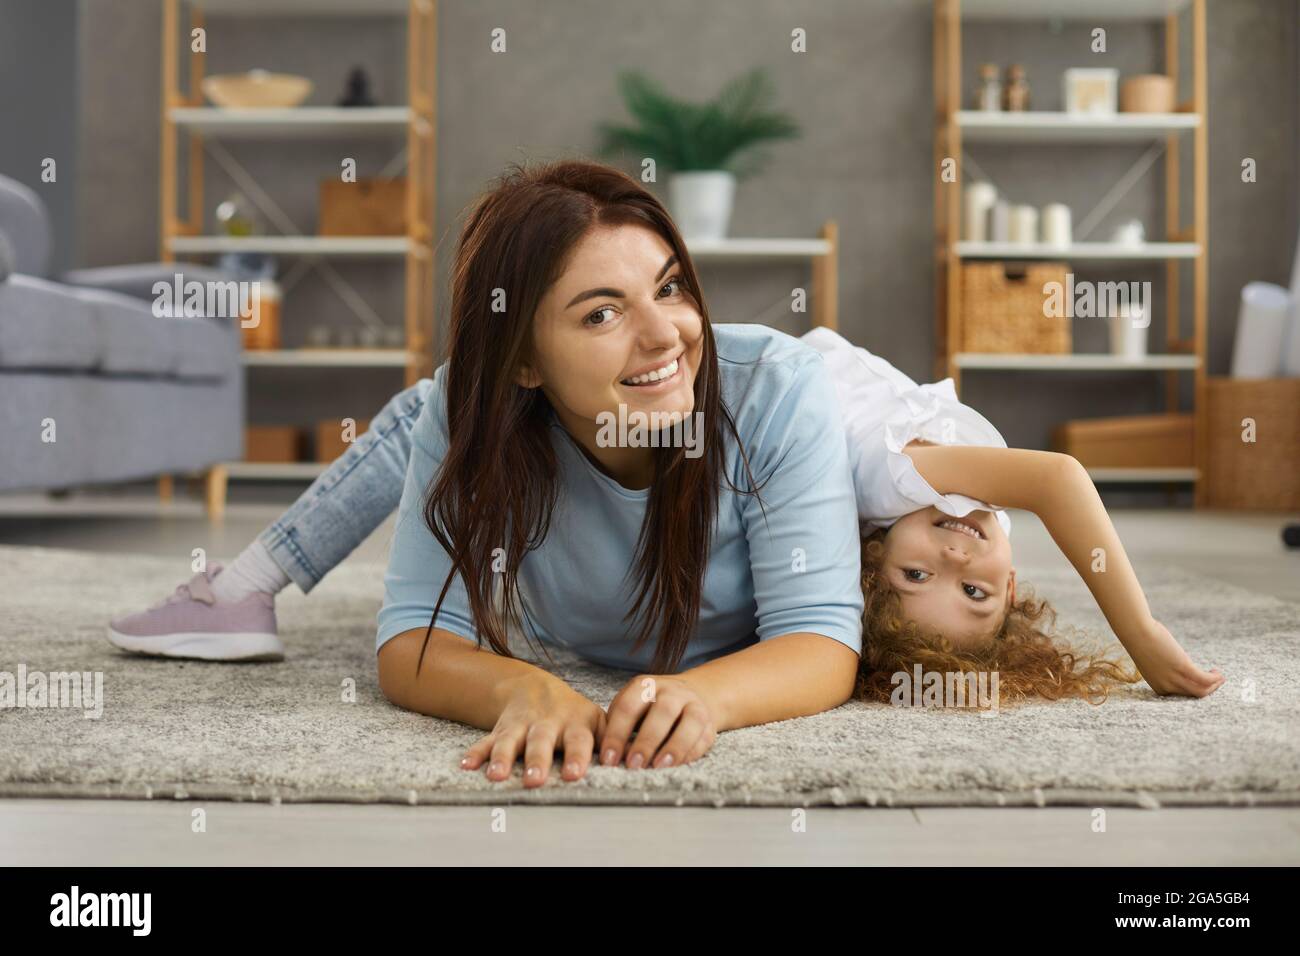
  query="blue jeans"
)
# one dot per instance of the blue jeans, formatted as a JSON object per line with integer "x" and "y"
{"x": 351, "y": 498}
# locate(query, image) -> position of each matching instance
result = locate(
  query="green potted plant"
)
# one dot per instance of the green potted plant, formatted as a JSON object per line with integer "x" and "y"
{"x": 706, "y": 147}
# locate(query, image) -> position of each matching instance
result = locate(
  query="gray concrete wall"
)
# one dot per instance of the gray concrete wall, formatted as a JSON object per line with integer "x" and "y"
{"x": 39, "y": 107}
{"x": 863, "y": 94}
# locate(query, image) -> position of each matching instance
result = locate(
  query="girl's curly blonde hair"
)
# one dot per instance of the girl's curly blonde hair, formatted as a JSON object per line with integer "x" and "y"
{"x": 1028, "y": 662}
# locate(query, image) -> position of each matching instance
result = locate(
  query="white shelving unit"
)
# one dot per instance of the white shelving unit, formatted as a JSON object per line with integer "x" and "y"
{"x": 1054, "y": 127}
{"x": 1093, "y": 251}
{"x": 341, "y": 247}
{"x": 1184, "y": 245}
{"x": 328, "y": 358}
{"x": 187, "y": 119}
{"x": 1073, "y": 362}
{"x": 1155, "y": 476}
{"x": 276, "y": 471}
{"x": 299, "y": 122}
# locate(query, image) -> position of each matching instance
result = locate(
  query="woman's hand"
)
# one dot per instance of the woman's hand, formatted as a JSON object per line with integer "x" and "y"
{"x": 677, "y": 723}
{"x": 542, "y": 713}
{"x": 1166, "y": 666}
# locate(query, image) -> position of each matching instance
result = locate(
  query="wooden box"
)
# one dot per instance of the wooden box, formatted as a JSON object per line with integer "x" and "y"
{"x": 367, "y": 207}
{"x": 272, "y": 443}
{"x": 1132, "y": 441}
{"x": 1252, "y": 443}
{"x": 329, "y": 438}
{"x": 1002, "y": 308}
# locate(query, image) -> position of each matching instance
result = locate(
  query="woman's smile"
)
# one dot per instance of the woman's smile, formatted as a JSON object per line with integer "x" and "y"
{"x": 659, "y": 378}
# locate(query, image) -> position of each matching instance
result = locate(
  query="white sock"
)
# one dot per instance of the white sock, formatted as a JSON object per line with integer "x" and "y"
{"x": 254, "y": 570}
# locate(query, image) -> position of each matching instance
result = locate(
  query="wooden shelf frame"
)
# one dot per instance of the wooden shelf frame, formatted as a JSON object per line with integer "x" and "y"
{"x": 184, "y": 110}
{"x": 1185, "y": 243}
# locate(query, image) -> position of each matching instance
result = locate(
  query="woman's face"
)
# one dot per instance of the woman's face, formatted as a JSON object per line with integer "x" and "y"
{"x": 954, "y": 575}
{"x": 618, "y": 311}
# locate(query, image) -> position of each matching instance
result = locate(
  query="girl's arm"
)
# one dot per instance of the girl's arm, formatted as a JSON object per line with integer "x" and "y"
{"x": 1058, "y": 489}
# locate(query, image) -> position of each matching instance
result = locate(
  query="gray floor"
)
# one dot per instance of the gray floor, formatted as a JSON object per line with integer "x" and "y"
{"x": 1242, "y": 549}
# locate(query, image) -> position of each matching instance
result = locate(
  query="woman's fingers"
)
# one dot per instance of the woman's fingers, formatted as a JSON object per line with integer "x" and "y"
{"x": 504, "y": 752}
{"x": 624, "y": 712}
{"x": 539, "y": 753}
{"x": 578, "y": 745}
{"x": 655, "y": 727}
{"x": 675, "y": 749}
{"x": 476, "y": 754}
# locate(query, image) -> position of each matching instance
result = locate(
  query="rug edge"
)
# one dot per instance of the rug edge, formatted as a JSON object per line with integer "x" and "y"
{"x": 553, "y": 796}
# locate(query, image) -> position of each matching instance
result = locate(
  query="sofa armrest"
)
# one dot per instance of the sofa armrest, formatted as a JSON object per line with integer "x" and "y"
{"x": 6, "y": 257}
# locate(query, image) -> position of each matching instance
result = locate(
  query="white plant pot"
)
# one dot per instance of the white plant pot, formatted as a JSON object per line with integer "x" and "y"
{"x": 700, "y": 203}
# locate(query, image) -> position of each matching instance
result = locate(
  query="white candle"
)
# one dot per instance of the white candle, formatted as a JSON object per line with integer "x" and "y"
{"x": 980, "y": 198}
{"x": 1024, "y": 225}
{"x": 1056, "y": 224}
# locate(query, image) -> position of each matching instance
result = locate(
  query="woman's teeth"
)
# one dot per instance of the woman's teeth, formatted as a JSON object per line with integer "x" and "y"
{"x": 655, "y": 375}
{"x": 962, "y": 528}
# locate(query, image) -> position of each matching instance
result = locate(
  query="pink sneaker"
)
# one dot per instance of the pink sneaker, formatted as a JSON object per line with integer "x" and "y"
{"x": 192, "y": 623}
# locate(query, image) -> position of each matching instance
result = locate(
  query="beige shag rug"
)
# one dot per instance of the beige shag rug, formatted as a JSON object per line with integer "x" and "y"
{"x": 283, "y": 732}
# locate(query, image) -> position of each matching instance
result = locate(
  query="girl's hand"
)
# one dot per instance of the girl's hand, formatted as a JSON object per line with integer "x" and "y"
{"x": 1166, "y": 666}
{"x": 677, "y": 723}
{"x": 541, "y": 713}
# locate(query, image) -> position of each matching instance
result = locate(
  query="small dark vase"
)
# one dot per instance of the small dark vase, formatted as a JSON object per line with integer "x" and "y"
{"x": 358, "y": 90}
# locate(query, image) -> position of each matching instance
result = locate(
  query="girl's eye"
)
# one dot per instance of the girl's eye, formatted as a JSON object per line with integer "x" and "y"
{"x": 979, "y": 595}
{"x": 587, "y": 321}
{"x": 909, "y": 572}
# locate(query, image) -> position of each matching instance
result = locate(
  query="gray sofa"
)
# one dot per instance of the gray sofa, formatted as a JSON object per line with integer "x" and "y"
{"x": 84, "y": 359}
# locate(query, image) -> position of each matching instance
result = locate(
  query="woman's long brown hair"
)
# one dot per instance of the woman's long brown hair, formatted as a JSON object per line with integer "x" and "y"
{"x": 497, "y": 486}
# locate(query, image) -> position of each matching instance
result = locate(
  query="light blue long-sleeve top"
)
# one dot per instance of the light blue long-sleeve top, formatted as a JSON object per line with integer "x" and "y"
{"x": 797, "y": 571}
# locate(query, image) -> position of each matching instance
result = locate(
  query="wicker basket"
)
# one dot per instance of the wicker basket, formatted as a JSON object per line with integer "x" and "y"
{"x": 1002, "y": 308}
{"x": 1259, "y": 474}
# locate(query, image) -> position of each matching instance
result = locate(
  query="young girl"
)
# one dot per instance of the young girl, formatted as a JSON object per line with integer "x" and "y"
{"x": 938, "y": 584}
{"x": 504, "y": 460}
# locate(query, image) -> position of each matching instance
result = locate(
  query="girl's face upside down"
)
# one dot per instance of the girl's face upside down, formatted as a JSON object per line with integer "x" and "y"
{"x": 953, "y": 575}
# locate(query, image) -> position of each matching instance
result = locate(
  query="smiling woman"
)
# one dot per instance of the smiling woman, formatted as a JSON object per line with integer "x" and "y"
{"x": 721, "y": 570}
{"x": 520, "y": 516}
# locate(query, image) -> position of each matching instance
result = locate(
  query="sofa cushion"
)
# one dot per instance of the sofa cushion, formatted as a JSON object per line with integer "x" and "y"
{"x": 47, "y": 326}
{"x": 205, "y": 348}
{"x": 133, "y": 340}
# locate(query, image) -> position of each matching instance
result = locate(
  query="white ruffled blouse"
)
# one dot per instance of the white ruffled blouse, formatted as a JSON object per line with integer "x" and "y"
{"x": 882, "y": 410}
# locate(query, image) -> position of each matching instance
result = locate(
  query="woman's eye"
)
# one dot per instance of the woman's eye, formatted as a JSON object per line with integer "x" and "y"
{"x": 587, "y": 320}
{"x": 979, "y": 594}
{"x": 910, "y": 572}
{"x": 676, "y": 280}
